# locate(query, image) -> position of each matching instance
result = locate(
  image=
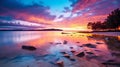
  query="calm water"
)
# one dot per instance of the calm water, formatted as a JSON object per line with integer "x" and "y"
{"x": 50, "y": 45}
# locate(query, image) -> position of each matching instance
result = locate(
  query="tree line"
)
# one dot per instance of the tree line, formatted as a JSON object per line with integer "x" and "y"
{"x": 112, "y": 22}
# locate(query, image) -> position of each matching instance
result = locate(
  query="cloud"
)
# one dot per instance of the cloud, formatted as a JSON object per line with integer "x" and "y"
{"x": 21, "y": 11}
{"x": 66, "y": 12}
{"x": 81, "y": 4}
{"x": 94, "y": 5}
{"x": 92, "y": 10}
{"x": 66, "y": 9}
{"x": 61, "y": 16}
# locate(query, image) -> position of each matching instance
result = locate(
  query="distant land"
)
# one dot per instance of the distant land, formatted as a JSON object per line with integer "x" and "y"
{"x": 98, "y": 31}
{"x": 50, "y": 30}
{"x": 32, "y": 30}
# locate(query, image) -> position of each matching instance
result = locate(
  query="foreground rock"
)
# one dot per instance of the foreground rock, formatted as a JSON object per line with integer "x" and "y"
{"x": 90, "y": 45}
{"x": 65, "y": 42}
{"x": 60, "y": 63}
{"x": 110, "y": 63}
{"x": 31, "y": 48}
{"x": 75, "y": 61}
{"x": 89, "y": 53}
{"x": 82, "y": 54}
{"x": 98, "y": 43}
{"x": 67, "y": 55}
{"x": 73, "y": 51}
{"x": 77, "y": 42}
{"x": 63, "y": 52}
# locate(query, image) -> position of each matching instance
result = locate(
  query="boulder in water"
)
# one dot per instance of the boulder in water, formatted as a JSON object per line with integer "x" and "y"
{"x": 89, "y": 53}
{"x": 65, "y": 42}
{"x": 67, "y": 55}
{"x": 60, "y": 63}
{"x": 98, "y": 43}
{"x": 90, "y": 45}
{"x": 31, "y": 48}
{"x": 82, "y": 54}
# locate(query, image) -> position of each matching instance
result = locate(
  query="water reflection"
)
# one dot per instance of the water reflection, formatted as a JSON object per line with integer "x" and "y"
{"x": 51, "y": 46}
{"x": 12, "y": 37}
{"x": 109, "y": 40}
{"x": 112, "y": 44}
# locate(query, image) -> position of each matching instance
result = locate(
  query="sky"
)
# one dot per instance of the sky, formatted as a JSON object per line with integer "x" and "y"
{"x": 65, "y": 14}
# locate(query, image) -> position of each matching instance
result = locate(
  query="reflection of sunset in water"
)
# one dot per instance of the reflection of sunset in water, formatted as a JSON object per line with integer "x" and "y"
{"x": 46, "y": 37}
{"x": 52, "y": 44}
{"x": 72, "y": 38}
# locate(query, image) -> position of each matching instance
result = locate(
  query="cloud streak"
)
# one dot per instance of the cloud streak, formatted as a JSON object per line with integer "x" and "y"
{"x": 25, "y": 12}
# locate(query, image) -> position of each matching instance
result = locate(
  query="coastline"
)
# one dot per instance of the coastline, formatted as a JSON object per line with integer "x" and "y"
{"x": 107, "y": 33}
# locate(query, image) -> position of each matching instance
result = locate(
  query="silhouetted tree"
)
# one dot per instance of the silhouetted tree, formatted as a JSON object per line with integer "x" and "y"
{"x": 89, "y": 25}
{"x": 112, "y": 22}
{"x": 113, "y": 19}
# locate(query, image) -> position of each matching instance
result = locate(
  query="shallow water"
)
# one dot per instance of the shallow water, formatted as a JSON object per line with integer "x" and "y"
{"x": 50, "y": 44}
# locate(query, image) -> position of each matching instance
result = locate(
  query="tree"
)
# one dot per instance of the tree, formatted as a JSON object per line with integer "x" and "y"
{"x": 89, "y": 25}
{"x": 112, "y": 22}
{"x": 113, "y": 19}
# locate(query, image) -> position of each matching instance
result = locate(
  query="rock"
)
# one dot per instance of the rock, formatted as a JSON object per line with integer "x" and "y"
{"x": 82, "y": 54}
{"x": 60, "y": 63}
{"x": 64, "y": 42}
{"x": 31, "y": 48}
{"x": 73, "y": 51}
{"x": 109, "y": 63}
{"x": 80, "y": 46}
{"x": 63, "y": 52}
{"x": 58, "y": 43}
{"x": 89, "y": 53}
{"x": 115, "y": 54}
{"x": 67, "y": 55}
{"x": 98, "y": 43}
{"x": 72, "y": 59}
{"x": 65, "y": 33}
{"x": 92, "y": 56}
{"x": 98, "y": 50}
{"x": 90, "y": 45}
{"x": 110, "y": 60}
{"x": 51, "y": 42}
{"x": 71, "y": 47}
{"x": 77, "y": 42}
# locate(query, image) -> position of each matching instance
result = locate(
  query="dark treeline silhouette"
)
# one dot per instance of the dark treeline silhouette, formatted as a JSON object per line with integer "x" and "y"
{"x": 112, "y": 22}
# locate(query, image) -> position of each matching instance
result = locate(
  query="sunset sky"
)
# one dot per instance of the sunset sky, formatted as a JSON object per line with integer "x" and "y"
{"x": 54, "y": 13}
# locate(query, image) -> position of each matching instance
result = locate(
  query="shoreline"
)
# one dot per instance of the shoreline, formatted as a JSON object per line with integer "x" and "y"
{"x": 107, "y": 33}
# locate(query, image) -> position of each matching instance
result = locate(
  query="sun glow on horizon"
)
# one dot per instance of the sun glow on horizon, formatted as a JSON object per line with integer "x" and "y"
{"x": 75, "y": 28}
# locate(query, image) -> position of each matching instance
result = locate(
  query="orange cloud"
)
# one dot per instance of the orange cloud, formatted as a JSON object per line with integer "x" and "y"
{"x": 34, "y": 19}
